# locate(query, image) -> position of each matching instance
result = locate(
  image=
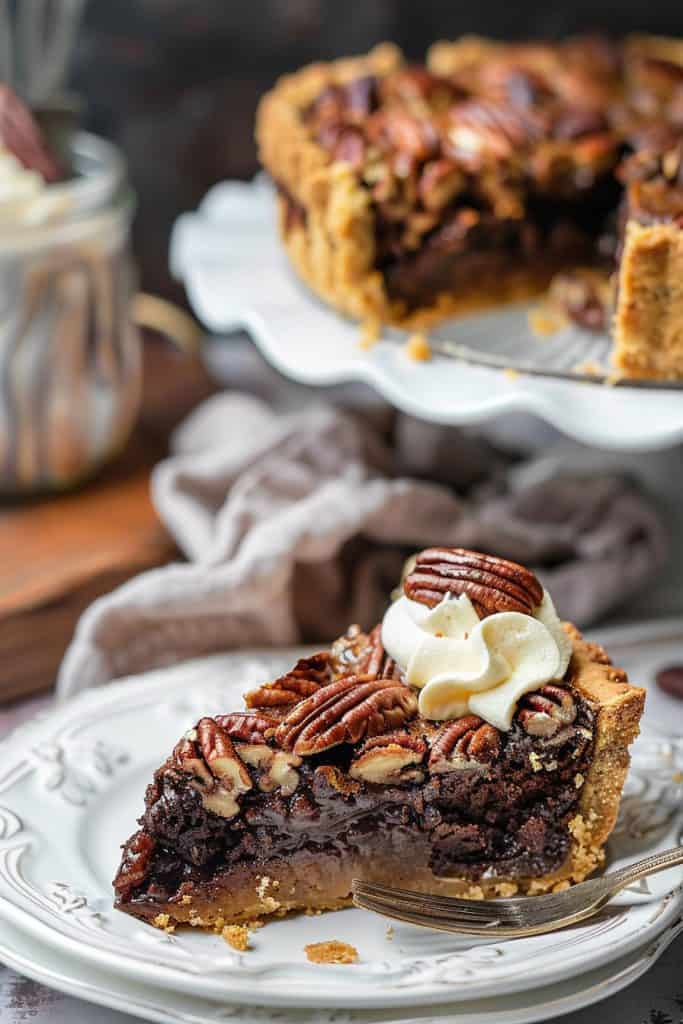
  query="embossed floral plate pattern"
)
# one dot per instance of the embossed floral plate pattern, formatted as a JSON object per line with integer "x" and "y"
{"x": 67, "y": 974}
{"x": 237, "y": 276}
{"x": 72, "y": 784}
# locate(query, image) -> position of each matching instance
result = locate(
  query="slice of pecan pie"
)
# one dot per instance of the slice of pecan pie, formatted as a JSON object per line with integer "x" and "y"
{"x": 408, "y": 193}
{"x": 470, "y": 744}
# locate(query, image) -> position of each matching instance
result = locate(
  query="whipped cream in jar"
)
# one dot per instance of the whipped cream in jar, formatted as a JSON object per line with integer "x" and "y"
{"x": 69, "y": 352}
{"x": 70, "y": 349}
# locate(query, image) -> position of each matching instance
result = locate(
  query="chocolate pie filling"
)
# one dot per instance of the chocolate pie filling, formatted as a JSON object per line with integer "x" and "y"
{"x": 335, "y": 771}
{"x": 480, "y": 819}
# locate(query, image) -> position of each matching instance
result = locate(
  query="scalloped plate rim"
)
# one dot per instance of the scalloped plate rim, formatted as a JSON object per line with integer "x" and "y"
{"x": 548, "y": 1007}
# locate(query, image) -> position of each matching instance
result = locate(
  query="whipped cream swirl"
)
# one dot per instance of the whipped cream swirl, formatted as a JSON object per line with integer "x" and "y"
{"x": 26, "y": 198}
{"x": 466, "y": 665}
{"x": 19, "y": 187}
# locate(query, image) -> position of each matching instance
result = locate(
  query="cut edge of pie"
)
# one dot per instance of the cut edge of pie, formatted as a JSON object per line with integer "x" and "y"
{"x": 648, "y": 324}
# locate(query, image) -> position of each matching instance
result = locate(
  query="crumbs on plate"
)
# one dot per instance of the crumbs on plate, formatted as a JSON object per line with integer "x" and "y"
{"x": 590, "y": 368}
{"x": 546, "y": 319}
{"x": 237, "y": 935}
{"x": 331, "y": 952}
{"x": 370, "y": 332}
{"x": 163, "y": 921}
{"x": 418, "y": 348}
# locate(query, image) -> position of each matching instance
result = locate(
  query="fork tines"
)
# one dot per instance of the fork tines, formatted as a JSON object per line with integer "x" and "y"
{"x": 479, "y": 911}
{"x": 508, "y": 918}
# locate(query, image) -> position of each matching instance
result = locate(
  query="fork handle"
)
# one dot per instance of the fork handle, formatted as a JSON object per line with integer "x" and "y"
{"x": 648, "y": 866}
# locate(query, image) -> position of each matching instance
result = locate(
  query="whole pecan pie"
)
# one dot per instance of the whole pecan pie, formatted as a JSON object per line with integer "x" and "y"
{"x": 470, "y": 744}
{"x": 408, "y": 193}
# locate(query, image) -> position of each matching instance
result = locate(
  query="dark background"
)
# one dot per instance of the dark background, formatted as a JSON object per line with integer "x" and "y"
{"x": 176, "y": 82}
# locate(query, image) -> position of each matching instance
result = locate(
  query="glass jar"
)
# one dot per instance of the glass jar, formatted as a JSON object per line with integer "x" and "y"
{"x": 70, "y": 359}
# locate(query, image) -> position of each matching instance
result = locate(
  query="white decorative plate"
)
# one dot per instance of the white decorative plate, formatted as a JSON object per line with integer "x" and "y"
{"x": 72, "y": 784}
{"x": 68, "y": 975}
{"x": 237, "y": 276}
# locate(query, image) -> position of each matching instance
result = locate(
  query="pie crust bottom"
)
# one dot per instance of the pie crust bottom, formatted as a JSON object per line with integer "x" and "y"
{"x": 322, "y": 881}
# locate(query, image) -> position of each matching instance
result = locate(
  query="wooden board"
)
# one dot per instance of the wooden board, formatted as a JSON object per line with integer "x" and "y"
{"x": 59, "y": 553}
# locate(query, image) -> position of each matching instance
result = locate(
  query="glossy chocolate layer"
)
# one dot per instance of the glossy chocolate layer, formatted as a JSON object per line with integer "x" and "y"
{"x": 503, "y": 819}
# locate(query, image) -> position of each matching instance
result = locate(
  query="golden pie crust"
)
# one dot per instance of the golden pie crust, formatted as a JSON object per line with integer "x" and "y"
{"x": 648, "y": 323}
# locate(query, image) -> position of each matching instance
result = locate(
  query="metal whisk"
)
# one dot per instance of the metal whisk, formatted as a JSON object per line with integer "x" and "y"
{"x": 37, "y": 39}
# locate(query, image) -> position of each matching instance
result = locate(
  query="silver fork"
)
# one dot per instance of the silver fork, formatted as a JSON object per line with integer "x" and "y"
{"x": 509, "y": 918}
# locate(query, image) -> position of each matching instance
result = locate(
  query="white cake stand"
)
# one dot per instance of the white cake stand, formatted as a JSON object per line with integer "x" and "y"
{"x": 237, "y": 276}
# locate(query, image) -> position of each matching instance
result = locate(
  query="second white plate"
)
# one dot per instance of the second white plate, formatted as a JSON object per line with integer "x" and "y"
{"x": 34, "y": 959}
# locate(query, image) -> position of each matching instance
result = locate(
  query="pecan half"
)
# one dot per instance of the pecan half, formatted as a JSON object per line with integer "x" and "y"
{"x": 547, "y": 710}
{"x": 346, "y": 650}
{"x": 350, "y": 147}
{"x": 246, "y": 727}
{"x": 189, "y": 760}
{"x": 396, "y": 129}
{"x": 330, "y": 105}
{"x": 374, "y": 661}
{"x": 276, "y": 769}
{"x": 574, "y": 122}
{"x": 465, "y": 743}
{"x": 440, "y": 181}
{"x": 361, "y": 97}
{"x": 135, "y": 864}
{"x": 224, "y": 764}
{"x": 670, "y": 680}
{"x": 345, "y": 712}
{"x": 659, "y": 154}
{"x": 351, "y": 102}
{"x": 307, "y": 676}
{"x": 208, "y": 754}
{"x": 390, "y": 759}
{"x": 481, "y": 129}
{"x": 657, "y": 82}
{"x": 584, "y": 295}
{"x": 371, "y": 660}
{"x": 565, "y": 167}
{"x": 250, "y": 733}
{"x": 516, "y": 84}
{"x": 281, "y": 773}
{"x": 415, "y": 83}
{"x": 492, "y": 584}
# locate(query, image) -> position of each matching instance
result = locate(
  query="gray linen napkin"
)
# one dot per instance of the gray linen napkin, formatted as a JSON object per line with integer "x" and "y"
{"x": 296, "y": 525}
